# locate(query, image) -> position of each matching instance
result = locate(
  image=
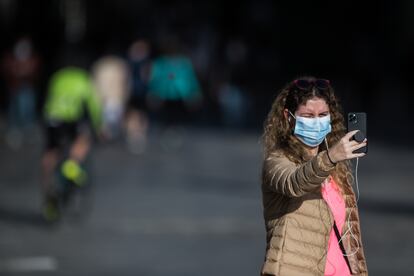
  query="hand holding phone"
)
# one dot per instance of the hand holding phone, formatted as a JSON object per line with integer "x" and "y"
{"x": 346, "y": 148}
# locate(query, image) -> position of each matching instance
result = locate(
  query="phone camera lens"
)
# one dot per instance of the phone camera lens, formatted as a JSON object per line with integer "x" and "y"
{"x": 352, "y": 118}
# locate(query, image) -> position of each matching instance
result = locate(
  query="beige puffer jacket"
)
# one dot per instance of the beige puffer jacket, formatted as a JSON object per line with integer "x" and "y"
{"x": 298, "y": 221}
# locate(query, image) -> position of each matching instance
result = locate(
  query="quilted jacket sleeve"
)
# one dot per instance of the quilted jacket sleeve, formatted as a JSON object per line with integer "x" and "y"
{"x": 285, "y": 177}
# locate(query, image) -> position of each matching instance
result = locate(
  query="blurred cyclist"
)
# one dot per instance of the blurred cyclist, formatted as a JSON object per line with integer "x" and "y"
{"x": 72, "y": 114}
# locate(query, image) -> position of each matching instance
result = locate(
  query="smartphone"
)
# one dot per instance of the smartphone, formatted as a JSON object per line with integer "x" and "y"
{"x": 358, "y": 121}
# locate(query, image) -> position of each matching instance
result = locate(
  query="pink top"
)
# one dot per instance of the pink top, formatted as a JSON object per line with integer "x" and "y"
{"x": 335, "y": 261}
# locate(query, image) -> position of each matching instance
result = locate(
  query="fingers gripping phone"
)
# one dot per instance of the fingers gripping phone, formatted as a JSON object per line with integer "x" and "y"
{"x": 358, "y": 121}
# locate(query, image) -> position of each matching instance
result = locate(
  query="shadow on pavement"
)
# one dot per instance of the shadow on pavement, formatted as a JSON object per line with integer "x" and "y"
{"x": 21, "y": 217}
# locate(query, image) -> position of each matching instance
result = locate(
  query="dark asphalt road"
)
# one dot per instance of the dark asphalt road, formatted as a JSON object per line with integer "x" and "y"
{"x": 191, "y": 210}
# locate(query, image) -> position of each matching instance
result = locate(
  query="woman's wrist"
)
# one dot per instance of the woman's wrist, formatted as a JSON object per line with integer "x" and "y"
{"x": 330, "y": 159}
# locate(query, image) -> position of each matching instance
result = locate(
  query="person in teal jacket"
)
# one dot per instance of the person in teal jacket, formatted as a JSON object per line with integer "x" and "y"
{"x": 174, "y": 91}
{"x": 72, "y": 114}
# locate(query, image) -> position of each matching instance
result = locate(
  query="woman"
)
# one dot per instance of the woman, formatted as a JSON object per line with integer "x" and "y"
{"x": 310, "y": 209}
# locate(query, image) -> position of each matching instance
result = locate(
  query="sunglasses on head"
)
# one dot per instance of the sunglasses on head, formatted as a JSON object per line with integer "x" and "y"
{"x": 306, "y": 84}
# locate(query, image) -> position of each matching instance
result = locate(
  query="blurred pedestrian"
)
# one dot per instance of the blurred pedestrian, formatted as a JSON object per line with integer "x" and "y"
{"x": 137, "y": 122}
{"x": 20, "y": 68}
{"x": 111, "y": 80}
{"x": 233, "y": 104}
{"x": 310, "y": 208}
{"x": 174, "y": 95}
{"x": 174, "y": 90}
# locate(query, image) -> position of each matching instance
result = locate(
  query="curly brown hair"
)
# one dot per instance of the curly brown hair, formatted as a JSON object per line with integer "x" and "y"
{"x": 278, "y": 132}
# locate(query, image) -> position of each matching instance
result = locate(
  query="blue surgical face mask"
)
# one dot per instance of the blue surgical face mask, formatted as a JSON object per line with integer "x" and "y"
{"x": 312, "y": 131}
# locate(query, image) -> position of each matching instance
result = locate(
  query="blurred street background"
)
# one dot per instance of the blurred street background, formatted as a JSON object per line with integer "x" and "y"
{"x": 176, "y": 95}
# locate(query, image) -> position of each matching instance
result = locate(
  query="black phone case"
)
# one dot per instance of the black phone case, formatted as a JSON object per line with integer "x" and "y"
{"x": 358, "y": 121}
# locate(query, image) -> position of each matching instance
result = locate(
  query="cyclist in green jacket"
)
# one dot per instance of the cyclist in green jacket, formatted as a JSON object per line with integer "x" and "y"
{"x": 72, "y": 113}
